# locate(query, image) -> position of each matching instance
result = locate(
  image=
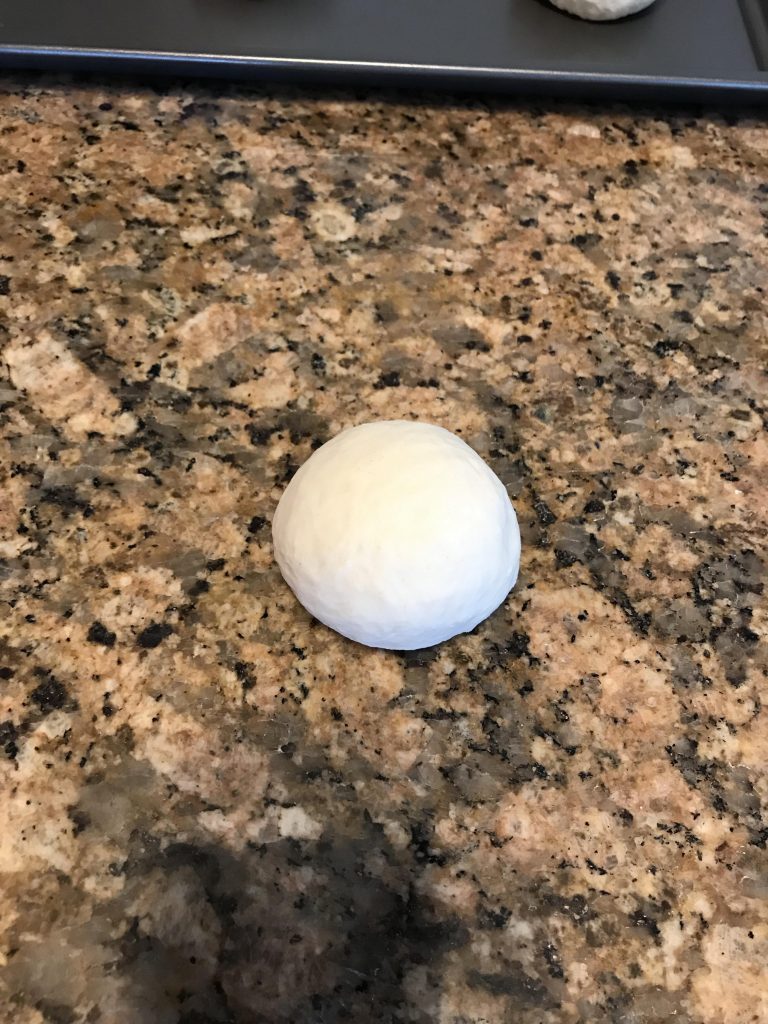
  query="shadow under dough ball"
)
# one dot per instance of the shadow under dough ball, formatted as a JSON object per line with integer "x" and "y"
{"x": 397, "y": 535}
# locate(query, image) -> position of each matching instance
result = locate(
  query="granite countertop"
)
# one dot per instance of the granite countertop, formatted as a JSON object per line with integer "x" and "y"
{"x": 216, "y": 810}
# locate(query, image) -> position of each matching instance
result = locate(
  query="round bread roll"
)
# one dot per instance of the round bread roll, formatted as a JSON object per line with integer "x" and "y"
{"x": 397, "y": 535}
{"x": 602, "y": 10}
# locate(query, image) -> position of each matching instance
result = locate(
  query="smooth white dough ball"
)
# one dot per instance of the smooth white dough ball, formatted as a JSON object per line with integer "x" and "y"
{"x": 602, "y": 10}
{"x": 397, "y": 535}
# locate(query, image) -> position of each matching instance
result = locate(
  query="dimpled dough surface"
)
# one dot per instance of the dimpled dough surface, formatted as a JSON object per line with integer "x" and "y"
{"x": 602, "y": 10}
{"x": 397, "y": 535}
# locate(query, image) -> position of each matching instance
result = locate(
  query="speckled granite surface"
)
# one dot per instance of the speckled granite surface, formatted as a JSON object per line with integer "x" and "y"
{"x": 215, "y": 810}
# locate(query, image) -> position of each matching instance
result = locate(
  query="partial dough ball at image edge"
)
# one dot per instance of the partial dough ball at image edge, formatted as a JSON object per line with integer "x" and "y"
{"x": 602, "y": 10}
{"x": 396, "y": 534}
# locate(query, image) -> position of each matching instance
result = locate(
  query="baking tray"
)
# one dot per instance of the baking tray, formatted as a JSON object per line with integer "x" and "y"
{"x": 677, "y": 49}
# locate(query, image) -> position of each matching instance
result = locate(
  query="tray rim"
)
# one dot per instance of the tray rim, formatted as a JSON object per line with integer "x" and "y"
{"x": 17, "y": 56}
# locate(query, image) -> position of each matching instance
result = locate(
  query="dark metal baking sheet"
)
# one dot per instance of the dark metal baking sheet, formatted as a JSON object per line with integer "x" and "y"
{"x": 675, "y": 49}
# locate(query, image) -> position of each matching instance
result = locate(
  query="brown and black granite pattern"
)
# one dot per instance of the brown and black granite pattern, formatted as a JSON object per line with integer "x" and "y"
{"x": 214, "y": 809}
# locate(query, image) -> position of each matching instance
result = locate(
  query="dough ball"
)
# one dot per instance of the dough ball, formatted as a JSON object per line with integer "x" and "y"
{"x": 397, "y": 534}
{"x": 602, "y": 10}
